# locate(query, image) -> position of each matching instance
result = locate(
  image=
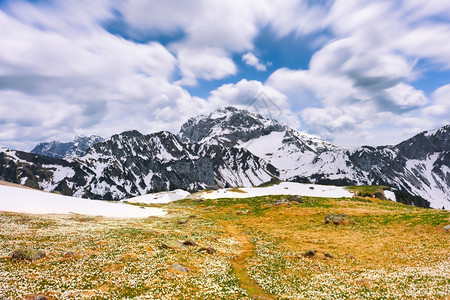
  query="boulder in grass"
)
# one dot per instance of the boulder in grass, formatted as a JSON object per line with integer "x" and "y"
{"x": 310, "y": 253}
{"x": 72, "y": 254}
{"x": 295, "y": 198}
{"x": 189, "y": 243}
{"x": 336, "y": 219}
{"x": 179, "y": 268}
{"x": 281, "y": 201}
{"x": 36, "y": 297}
{"x": 209, "y": 250}
{"x": 447, "y": 228}
{"x": 27, "y": 254}
{"x": 173, "y": 245}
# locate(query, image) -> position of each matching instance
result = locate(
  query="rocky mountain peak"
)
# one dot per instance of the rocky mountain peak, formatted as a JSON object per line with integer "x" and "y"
{"x": 67, "y": 150}
{"x": 425, "y": 143}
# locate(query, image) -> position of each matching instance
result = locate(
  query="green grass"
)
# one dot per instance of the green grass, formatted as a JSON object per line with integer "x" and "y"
{"x": 366, "y": 190}
{"x": 388, "y": 251}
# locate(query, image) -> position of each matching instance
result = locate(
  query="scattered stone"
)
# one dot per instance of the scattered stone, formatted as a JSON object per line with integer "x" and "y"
{"x": 189, "y": 243}
{"x": 336, "y": 219}
{"x": 173, "y": 245}
{"x": 72, "y": 254}
{"x": 36, "y": 297}
{"x": 311, "y": 187}
{"x": 200, "y": 200}
{"x": 310, "y": 253}
{"x": 27, "y": 254}
{"x": 295, "y": 198}
{"x": 447, "y": 228}
{"x": 328, "y": 255}
{"x": 360, "y": 281}
{"x": 193, "y": 216}
{"x": 209, "y": 250}
{"x": 179, "y": 268}
{"x": 281, "y": 201}
{"x": 243, "y": 212}
{"x": 181, "y": 222}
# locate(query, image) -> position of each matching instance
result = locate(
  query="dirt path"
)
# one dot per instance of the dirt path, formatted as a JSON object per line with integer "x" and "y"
{"x": 239, "y": 264}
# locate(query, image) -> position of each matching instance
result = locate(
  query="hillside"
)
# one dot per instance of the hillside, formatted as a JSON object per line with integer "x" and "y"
{"x": 264, "y": 247}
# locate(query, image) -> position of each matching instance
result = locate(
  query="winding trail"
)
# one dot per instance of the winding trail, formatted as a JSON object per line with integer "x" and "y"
{"x": 239, "y": 264}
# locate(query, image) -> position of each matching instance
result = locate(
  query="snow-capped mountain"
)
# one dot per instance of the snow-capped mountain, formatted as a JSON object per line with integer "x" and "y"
{"x": 67, "y": 150}
{"x": 232, "y": 147}
{"x": 232, "y": 127}
{"x": 132, "y": 164}
{"x": 276, "y": 143}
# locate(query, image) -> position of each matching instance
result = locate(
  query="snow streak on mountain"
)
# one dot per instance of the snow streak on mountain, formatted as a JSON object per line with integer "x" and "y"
{"x": 231, "y": 147}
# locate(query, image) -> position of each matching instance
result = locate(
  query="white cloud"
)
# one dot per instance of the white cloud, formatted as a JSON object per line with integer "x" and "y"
{"x": 55, "y": 84}
{"x": 57, "y": 60}
{"x": 405, "y": 96}
{"x": 230, "y": 24}
{"x": 204, "y": 63}
{"x": 299, "y": 16}
{"x": 251, "y": 60}
{"x": 439, "y": 110}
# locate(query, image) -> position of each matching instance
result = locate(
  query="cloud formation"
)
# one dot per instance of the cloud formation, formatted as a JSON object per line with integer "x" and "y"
{"x": 63, "y": 72}
{"x": 251, "y": 60}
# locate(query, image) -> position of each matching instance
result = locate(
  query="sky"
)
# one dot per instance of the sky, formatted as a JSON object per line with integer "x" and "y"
{"x": 352, "y": 72}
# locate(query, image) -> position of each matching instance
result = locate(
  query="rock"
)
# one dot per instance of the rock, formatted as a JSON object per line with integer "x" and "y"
{"x": 310, "y": 253}
{"x": 27, "y": 254}
{"x": 281, "y": 201}
{"x": 243, "y": 212}
{"x": 447, "y": 228}
{"x": 180, "y": 222}
{"x": 179, "y": 268}
{"x": 328, "y": 255}
{"x": 336, "y": 219}
{"x": 35, "y": 297}
{"x": 209, "y": 250}
{"x": 72, "y": 254}
{"x": 173, "y": 245}
{"x": 295, "y": 198}
{"x": 189, "y": 243}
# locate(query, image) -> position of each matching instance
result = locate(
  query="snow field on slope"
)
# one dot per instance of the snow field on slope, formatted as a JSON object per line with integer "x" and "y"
{"x": 37, "y": 202}
{"x": 284, "y": 188}
{"x": 159, "y": 198}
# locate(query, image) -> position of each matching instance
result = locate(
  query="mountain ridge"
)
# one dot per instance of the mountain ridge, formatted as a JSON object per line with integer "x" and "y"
{"x": 232, "y": 147}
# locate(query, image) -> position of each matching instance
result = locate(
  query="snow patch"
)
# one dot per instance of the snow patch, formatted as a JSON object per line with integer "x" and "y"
{"x": 390, "y": 195}
{"x": 36, "y": 202}
{"x": 284, "y": 188}
{"x": 163, "y": 197}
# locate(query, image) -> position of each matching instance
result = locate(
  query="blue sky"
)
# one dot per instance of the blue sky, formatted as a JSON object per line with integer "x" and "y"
{"x": 353, "y": 72}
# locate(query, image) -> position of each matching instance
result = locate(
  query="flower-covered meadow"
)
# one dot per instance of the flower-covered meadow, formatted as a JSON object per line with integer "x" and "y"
{"x": 247, "y": 248}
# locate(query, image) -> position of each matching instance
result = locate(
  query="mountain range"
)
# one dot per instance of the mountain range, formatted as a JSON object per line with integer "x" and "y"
{"x": 229, "y": 148}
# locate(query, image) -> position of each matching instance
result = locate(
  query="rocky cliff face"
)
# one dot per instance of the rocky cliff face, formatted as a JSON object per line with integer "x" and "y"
{"x": 232, "y": 147}
{"x": 131, "y": 164}
{"x": 67, "y": 150}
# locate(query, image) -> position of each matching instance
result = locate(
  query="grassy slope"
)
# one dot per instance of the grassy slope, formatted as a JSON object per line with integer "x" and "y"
{"x": 388, "y": 250}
